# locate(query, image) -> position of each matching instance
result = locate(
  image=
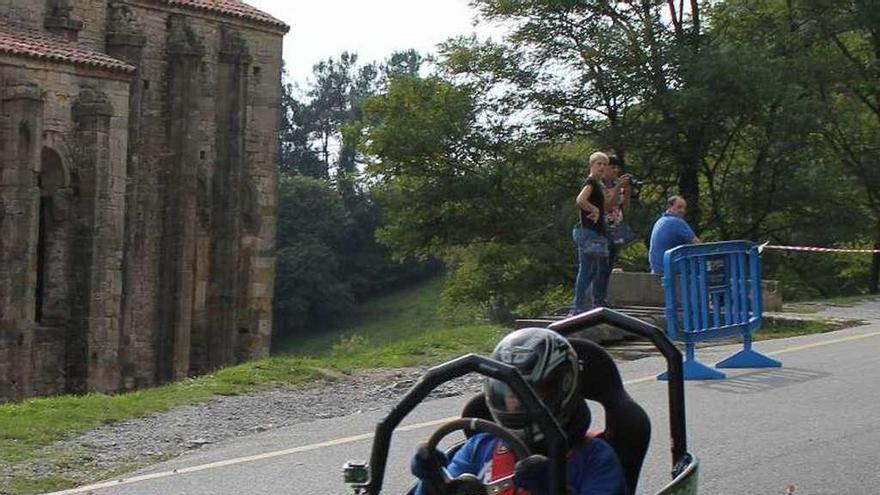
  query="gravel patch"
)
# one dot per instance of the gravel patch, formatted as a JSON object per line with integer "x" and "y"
{"x": 138, "y": 442}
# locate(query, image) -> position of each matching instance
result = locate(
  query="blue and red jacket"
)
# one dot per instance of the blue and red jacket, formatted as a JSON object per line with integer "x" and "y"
{"x": 593, "y": 466}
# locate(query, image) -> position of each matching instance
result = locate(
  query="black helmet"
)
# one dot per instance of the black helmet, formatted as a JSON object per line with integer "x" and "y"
{"x": 550, "y": 365}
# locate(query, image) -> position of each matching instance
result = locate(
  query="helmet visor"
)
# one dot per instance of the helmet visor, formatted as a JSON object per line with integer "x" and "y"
{"x": 553, "y": 391}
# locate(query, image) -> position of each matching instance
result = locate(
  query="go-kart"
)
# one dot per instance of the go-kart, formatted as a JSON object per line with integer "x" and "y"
{"x": 627, "y": 426}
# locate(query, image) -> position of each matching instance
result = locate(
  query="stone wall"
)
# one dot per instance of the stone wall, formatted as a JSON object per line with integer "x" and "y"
{"x": 80, "y": 20}
{"x": 203, "y": 193}
{"x": 26, "y": 12}
{"x": 137, "y": 213}
{"x": 63, "y": 199}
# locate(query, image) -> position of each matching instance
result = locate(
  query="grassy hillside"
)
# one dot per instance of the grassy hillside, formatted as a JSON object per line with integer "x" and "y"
{"x": 401, "y": 329}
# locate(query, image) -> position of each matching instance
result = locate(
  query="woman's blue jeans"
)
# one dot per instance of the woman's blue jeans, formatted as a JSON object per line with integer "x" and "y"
{"x": 592, "y": 270}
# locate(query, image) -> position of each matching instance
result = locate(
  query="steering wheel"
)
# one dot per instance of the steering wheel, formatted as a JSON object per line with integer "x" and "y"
{"x": 467, "y": 484}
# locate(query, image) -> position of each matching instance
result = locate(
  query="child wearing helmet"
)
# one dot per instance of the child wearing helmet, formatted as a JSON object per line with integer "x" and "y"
{"x": 550, "y": 365}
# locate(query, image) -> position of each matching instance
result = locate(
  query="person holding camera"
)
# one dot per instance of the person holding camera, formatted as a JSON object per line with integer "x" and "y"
{"x": 590, "y": 236}
{"x": 618, "y": 196}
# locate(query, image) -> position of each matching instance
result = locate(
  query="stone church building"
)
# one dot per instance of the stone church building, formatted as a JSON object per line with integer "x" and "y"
{"x": 138, "y": 190}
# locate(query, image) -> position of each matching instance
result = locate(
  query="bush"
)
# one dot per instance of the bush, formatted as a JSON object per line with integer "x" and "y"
{"x": 548, "y": 302}
{"x": 500, "y": 278}
{"x": 310, "y": 287}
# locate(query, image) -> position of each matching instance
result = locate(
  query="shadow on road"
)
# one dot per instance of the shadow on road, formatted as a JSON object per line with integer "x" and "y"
{"x": 762, "y": 380}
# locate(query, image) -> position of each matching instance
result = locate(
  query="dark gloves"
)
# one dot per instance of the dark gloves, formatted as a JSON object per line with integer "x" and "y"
{"x": 533, "y": 474}
{"x": 426, "y": 465}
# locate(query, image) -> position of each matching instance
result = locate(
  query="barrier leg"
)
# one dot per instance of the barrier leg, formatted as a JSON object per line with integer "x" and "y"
{"x": 695, "y": 370}
{"x": 749, "y": 358}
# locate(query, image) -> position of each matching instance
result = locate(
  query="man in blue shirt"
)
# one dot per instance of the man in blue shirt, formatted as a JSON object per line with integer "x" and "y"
{"x": 670, "y": 231}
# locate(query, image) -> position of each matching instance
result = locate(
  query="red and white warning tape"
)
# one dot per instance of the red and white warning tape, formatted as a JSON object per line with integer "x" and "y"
{"x": 813, "y": 249}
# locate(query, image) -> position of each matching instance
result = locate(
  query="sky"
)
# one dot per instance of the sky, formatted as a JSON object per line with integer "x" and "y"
{"x": 372, "y": 28}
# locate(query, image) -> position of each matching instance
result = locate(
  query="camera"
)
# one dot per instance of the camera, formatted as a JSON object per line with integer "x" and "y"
{"x": 633, "y": 181}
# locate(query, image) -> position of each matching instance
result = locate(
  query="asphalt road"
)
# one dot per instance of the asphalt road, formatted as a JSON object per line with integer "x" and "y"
{"x": 811, "y": 427}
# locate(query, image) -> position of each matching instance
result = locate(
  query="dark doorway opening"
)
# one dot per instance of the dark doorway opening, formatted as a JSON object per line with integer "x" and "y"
{"x": 51, "y": 244}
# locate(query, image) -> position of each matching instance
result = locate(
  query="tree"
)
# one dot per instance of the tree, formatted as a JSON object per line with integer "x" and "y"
{"x": 824, "y": 56}
{"x": 328, "y": 257}
{"x": 406, "y": 62}
{"x": 297, "y": 155}
{"x": 317, "y": 126}
{"x": 456, "y": 184}
{"x": 846, "y": 37}
{"x": 340, "y": 85}
{"x": 311, "y": 289}
{"x": 612, "y": 72}
{"x": 715, "y": 101}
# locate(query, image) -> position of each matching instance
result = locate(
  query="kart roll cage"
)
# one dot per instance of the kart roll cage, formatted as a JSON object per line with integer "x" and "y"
{"x": 368, "y": 478}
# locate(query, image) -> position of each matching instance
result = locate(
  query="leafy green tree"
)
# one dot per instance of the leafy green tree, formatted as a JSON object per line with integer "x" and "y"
{"x": 334, "y": 101}
{"x": 298, "y": 155}
{"x": 821, "y": 123}
{"x": 434, "y": 167}
{"x": 844, "y": 38}
{"x": 459, "y": 186}
{"x": 623, "y": 74}
{"x": 711, "y": 100}
{"x": 328, "y": 257}
{"x": 311, "y": 289}
{"x": 402, "y": 62}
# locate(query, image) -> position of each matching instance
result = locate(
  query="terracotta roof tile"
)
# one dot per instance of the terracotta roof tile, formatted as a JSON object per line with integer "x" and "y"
{"x": 234, "y": 8}
{"x": 25, "y": 42}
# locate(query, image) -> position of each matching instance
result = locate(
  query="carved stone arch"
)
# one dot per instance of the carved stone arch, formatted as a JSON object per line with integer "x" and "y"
{"x": 63, "y": 147}
{"x": 54, "y": 172}
{"x": 54, "y": 182}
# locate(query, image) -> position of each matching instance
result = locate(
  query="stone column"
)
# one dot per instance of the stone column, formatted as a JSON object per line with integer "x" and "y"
{"x": 125, "y": 41}
{"x": 225, "y": 290}
{"x": 185, "y": 52}
{"x": 259, "y": 214}
{"x": 98, "y": 240}
{"x": 20, "y": 146}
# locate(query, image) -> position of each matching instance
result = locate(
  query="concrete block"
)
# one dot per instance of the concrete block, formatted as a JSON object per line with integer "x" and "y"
{"x": 646, "y": 289}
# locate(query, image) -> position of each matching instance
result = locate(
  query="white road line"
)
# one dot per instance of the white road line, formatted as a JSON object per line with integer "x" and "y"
{"x": 824, "y": 343}
{"x": 241, "y": 460}
{"x": 367, "y": 436}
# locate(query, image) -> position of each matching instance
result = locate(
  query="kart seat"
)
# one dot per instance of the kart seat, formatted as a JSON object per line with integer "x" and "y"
{"x": 627, "y": 426}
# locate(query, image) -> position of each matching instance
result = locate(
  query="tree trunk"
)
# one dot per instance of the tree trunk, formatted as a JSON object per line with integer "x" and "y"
{"x": 875, "y": 271}
{"x": 874, "y": 282}
{"x": 689, "y": 187}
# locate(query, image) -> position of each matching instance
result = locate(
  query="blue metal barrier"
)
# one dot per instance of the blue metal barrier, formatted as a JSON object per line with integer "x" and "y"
{"x": 713, "y": 291}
